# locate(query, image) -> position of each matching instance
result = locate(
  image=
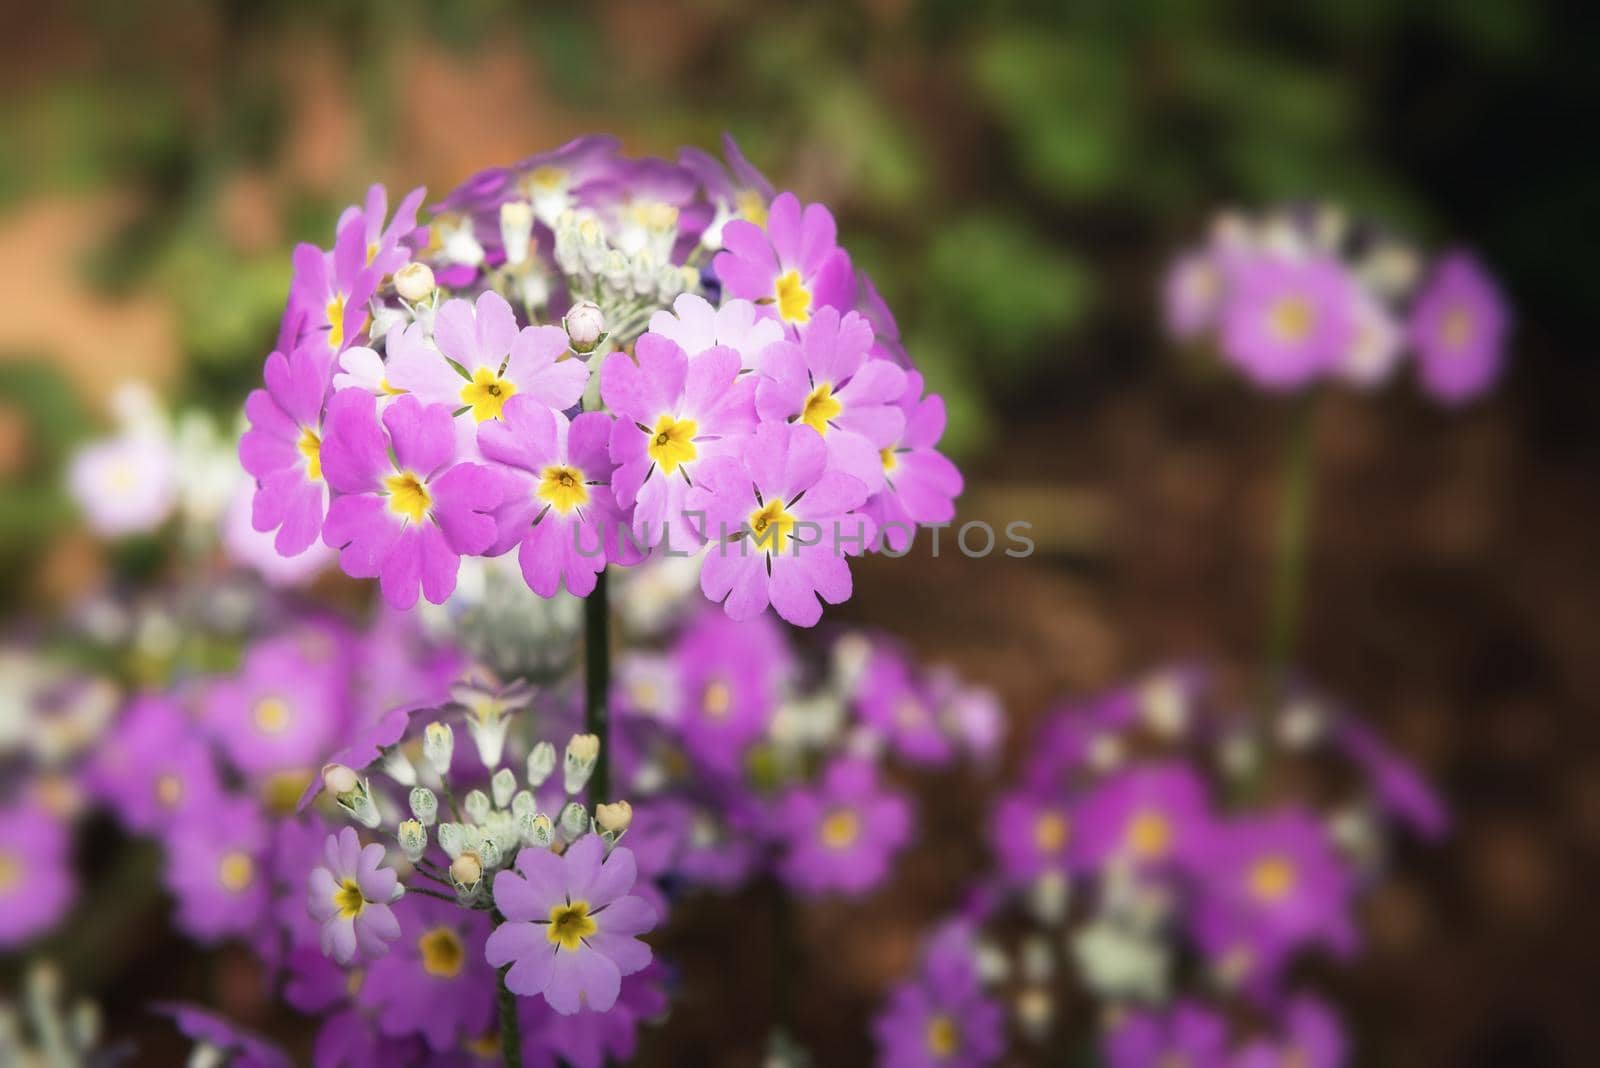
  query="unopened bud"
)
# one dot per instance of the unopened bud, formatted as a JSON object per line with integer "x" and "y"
{"x": 537, "y": 830}
{"x": 414, "y": 282}
{"x": 413, "y": 840}
{"x": 574, "y": 821}
{"x": 516, "y": 227}
{"x": 586, "y": 325}
{"x": 466, "y": 871}
{"x": 339, "y": 780}
{"x": 541, "y": 762}
{"x": 439, "y": 746}
{"x": 424, "y": 806}
{"x": 582, "y": 753}
{"x": 489, "y": 853}
{"x": 477, "y": 805}
{"x": 615, "y": 817}
{"x": 523, "y": 804}
{"x": 503, "y": 784}
{"x": 452, "y": 839}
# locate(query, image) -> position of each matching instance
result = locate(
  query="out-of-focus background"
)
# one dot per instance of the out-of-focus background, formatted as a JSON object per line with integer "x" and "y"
{"x": 1014, "y": 178}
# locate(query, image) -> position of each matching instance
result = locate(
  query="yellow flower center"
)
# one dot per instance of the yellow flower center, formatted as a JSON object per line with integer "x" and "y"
{"x": 487, "y": 394}
{"x": 570, "y": 924}
{"x": 1291, "y": 319}
{"x": 888, "y": 458}
{"x": 547, "y": 180}
{"x": 236, "y": 871}
{"x": 442, "y": 953}
{"x": 752, "y": 206}
{"x": 349, "y": 900}
{"x": 169, "y": 790}
{"x": 1050, "y": 832}
{"x": 335, "y": 313}
{"x": 1457, "y": 328}
{"x": 841, "y": 828}
{"x": 652, "y": 215}
{"x": 718, "y": 699}
{"x": 310, "y": 447}
{"x": 486, "y": 1047}
{"x": 943, "y": 1036}
{"x": 793, "y": 298}
{"x": 408, "y": 497}
{"x": 1272, "y": 878}
{"x": 672, "y": 443}
{"x": 771, "y": 524}
{"x": 272, "y": 715}
{"x": 1150, "y": 835}
{"x": 562, "y": 488}
{"x": 10, "y": 872}
{"x": 821, "y": 406}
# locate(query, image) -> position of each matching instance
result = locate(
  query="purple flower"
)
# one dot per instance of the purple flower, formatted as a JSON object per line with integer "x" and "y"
{"x": 571, "y": 926}
{"x": 330, "y": 292}
{"x": 154, "y": 767}
{"x": 554, "y": 181}
{"x": 920, "y": 484}
{"x": 827, "y": 381}
{"x": 1310, "y": 1036}
{"x": 729, "y": 678}
{"x": 496, "y": 363}
{"x": 350, "y": 1039}
{"x": 843, "y": 832}
{"x": 594, "y": 1039}
{"x": 941, "y": 1019}
{"x": 1153, "y": 816}
{"x": 556, "y": 504}
{"x": 241, "y": 1048}
{"x": 1459, "y": 326}
{"x": 1271, "y": 884}
{"x": 258, "y": 551}
{"x": 382, "y": 244}
{"x": 900, "y": 708}
{"x": 1287, "y": 320}
{"x": 350, "y": 896}
{"x": 738, "y": 191}
{"x": 282, "y": 711}
{"x": 126, "y": 484}
{"x": 886, "y": 344}
{"x": 1034, "y": 831}
{"x": 781, "y": 519}
{"x": 434, "y": 981}
{"x": 216, "y": 869}
{"x": 404, "y": 511}
{"x": 792, "y": 267}
{"x": 1192, "y": 294}
{"x": 1399, "y": 789}
{"x": 673, "y": 415}
{"x": 36, "y": 884}
{"x": 1185, "y": 1034}
{"x": 697, "y": 327}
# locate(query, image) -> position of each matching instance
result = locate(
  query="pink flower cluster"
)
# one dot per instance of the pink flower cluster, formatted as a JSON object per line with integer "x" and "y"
{"x": 441, "y": 390}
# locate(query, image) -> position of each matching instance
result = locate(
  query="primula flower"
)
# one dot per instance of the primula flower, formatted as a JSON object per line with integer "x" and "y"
{"x": 404, "y": 510}
{"x": 1310, "y": 1036}
{"x": 1153, "y": 816}
{"x": 842, "y": 833}
{"x": 127, "y": 484}
{"x": 942, "y": 1019}
{"x": 594, "y": 1039}
{"x": 1287, "y": 319}
{"x": 216, "y": 869}
{"x": 780, "y": 519}
{"x": 434, "y": 981}
{"x": 282, "y": 711}
{"x": 828, "y": 382}
{"x": 673, "y": 415}
{"x": 1034, "y": 831}
{"x": 571, "y": 925}
{"x": 739, "y": 191}
{"x": 1184, "y": 1033}
{"x": 696, "y": 326}
{"x": 383, "y": 244}
{"x": 556, "y": 501}
{"x": 920, "y": 484}
{"x": 729, "y": 678}
{"x": 154, "y": 767}
{"x": 792, "y": 267}
{"x": 282, "y": 450}
{"x": 894, "y": 702}
{"x": 350, "y": 1038}
{"x": 230, "y": 1044}
{"x": 554, "y": 181}
{"x": 330, "y": 293}
{"x": 350, "y": 895}
{"x": 36, "y": 884}
{"x": 496, "y": 362}
{"x": 1192, "y": 294}
{"x": 1459, "y": 326}
{"x": 257, "y": 550}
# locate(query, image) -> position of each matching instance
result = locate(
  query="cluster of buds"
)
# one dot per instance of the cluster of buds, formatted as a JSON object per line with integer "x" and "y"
{"x": 624, "y": 271}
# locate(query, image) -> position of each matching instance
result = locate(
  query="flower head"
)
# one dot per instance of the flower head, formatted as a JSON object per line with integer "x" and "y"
{"x": 216, "y": 868}
{"x": 1185, "y": 1033}
{"x": 842, "y": 833}
{"x": 282, "y": 711}
{"x": 434, "y": 981}
{"x": 36, "y": 884}
{"x": 350, "y": 895}
{"x": 942, "y": 1018}
{"x": 792, "y": 266}
{"x": 1288, "y": 319}
{"x": 1459, "y": 327}
{"x": 154, "y": 767}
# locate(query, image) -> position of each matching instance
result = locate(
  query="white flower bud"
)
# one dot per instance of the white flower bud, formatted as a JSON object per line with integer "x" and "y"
{"x": 414, "y": 282}
{"x": 523, "y": 804}
{"x": 361, "y": 807}
{"x": 424, "y": 806}
{"x": 452, "y": 839}
{"x": 586, "y": 325}
{"x": 489, "y": 853}
{"x": 582, "y": 752}
{"x": 536, "y": 830}
{"x": 574, "y": 821}
{"x": 339, "y": 780}
{"x": 614, "y": 818}
{"x": 413, "y": 840}
{"x": 466, "y": 871}
{"x": 516, "y": 228}
{"x": 503, "y": 785}
{"x": 398, "y": 767}
{"x": 1049, "y": 897}
{"x": 477, "y": 805}
{"x": 438, "y": 746}
{"x": 541, "y": 762}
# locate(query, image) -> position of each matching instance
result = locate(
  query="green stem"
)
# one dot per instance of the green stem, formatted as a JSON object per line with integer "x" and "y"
{"x": 510, "y": 1026}
{"x": 597, "y": 684}
{"x": 1291, "y": 543}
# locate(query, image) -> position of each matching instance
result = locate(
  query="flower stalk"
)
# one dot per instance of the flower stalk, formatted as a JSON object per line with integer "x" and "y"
{"x": 597, "y": 684}
{"x": 1290, "y": 551}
